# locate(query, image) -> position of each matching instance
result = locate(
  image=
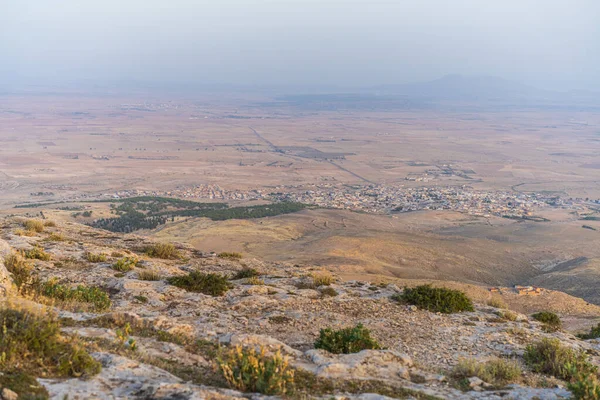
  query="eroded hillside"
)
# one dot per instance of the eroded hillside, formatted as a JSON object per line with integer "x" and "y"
{"x": 136, "y": 319}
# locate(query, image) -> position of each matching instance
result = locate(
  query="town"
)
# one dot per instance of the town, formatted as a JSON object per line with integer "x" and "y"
{"x": 385, "y": 199}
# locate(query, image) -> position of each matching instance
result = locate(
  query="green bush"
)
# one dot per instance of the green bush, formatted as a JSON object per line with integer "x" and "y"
{"x": 85, "y": 294}
{"x": 32, "y": 342}
{"x": 230, "y": 255}
{"x": 162, "y": 250}
{"x": 497, "y": 372}
{"x": 548, "y": 318}
{"x": 584, "y": 386}
{"x": 200, "y": 282}
{"x": 245, "y": 273}
{"x": 347, "y": 340}
{"x": 594, "y": 333}
{"x": 549, "y": 356}
{"x": 432, "y": 299}
{"x": 95, "y": 258}
{"x": 250, "y": 371}
{"x": 124, "y": 264}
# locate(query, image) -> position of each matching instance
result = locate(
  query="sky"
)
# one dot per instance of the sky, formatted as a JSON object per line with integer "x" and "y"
{"x": 551, "y": 44}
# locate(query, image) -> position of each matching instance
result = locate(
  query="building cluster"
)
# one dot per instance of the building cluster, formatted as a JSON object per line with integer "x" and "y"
{"x": 386, "y": 199}
{"x": 381, "y": 198}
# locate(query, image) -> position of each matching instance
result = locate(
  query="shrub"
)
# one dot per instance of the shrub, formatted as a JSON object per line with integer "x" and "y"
{"x": 548, "y": 318}
{"x": 245, "y": 273}
{"x": 84, "y": 294}
{"x": 124, "y": 264}
{"x": 346, "y": 341}
{"x": 251, "y": 371}
{"x": 584, "y": 386}
{"x": 95, "y": 257}
{"x": 19, "y": 268}
{"x": 594, "y": 333}
{"x": 328, "y": 292}
{"x": 50, "y": 224}
{"x": 32, "y": 342}
{"x": 149, "y": 275}
{"x": 496, "y": 371}
{"x": 549, "y": 356}
{"x": 200, "y": 282}
{"x": 34, "y": 225}
{"x": 37, "y": 253}
{"x": 323, "y": 279}
{"x": 436, "y": 299}
{"x": 162, "y": 250}
{"x": 230, "y": 255}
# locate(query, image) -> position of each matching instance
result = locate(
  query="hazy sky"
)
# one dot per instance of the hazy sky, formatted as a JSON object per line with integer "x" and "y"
{"x": 547, "y": 43}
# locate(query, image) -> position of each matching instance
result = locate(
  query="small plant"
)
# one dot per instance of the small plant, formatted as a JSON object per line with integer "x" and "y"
{"x": 20, "y": 269}
{"x": 432, "y": 299}
{"x": 95, "y": 257}
{"x": 549, "y": 356}
{"x": 34, "y": 225}
{"x": 50, "y": 224}
{"x": 230, "y": 255}
{"x": 245, "y": 273}
{"x": 548, "y": 318}
{"x": 124, "y": 338}
{"x": 124, "y": 264}
{"x": 149, "y": 275}
{"x": 162, "y": 250}
{"x": 347, "y": 340}
{"x": 200, "y": 282}
{"x": 594, "y": 333}
{"x": 250, "y": 371}
{"x": 496, "y": 372}
{"x": 323, "y": 279}
{"x": 85, "y": 294}
{"x": 37, "y": 253}
{"x": 328, "y": 292}
{"x": 254, "y": 280}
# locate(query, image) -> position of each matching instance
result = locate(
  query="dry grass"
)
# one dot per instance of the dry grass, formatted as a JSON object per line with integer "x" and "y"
{"x": 34, "y": 225}
{"x": 149, "y": 275}
{"x": 162, "y": 250}
{"x": 95, "y": 257}
{"x": 496, "y": 372}
{"x": 322, "y": 279}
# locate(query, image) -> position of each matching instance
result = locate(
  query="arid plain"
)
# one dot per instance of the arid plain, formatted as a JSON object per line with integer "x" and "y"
{"x": 60, "y": 150}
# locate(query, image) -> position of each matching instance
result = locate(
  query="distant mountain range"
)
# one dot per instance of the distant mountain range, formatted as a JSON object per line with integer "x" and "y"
{"x": 485, "y": 88}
